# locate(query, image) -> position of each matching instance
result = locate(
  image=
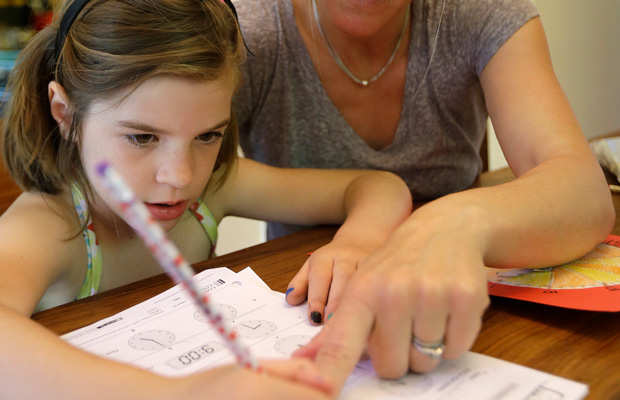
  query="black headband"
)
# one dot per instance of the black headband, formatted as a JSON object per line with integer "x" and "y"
{"x": 65, "y": 24}
{"x": 74, "y": 10}
{"x": 232, "y": 7}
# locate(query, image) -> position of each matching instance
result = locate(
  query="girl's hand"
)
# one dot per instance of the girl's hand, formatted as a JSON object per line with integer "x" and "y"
{"x": 325, "y": 274}
{"x": 286, "y": 379}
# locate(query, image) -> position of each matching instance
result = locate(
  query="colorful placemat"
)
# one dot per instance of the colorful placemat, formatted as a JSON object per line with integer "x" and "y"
{"x": 589, "y": 283}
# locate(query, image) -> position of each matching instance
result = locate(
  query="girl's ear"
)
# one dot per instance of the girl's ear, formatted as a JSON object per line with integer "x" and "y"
{"x": 59, "y": 106}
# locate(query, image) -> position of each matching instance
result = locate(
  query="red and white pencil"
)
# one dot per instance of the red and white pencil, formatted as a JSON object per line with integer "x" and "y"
{"x": 135, "y": 213}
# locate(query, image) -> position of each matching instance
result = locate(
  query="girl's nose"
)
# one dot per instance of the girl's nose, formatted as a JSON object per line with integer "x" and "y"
{"x": 176, "y": 170}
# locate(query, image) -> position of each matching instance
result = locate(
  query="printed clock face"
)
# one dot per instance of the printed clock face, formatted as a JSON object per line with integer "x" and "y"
{"x": 227, "y": 312}
{"x": 254, "y": 329}
{"x": 153, "y": 339}
{"x": 288, "y": 344}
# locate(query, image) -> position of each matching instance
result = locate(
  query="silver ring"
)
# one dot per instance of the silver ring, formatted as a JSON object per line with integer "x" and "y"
{"x": 434, "y": 350}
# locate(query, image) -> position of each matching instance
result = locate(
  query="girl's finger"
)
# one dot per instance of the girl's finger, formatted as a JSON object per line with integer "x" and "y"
{"x": 320, "y": 279}
{"x": 297, "y": 290}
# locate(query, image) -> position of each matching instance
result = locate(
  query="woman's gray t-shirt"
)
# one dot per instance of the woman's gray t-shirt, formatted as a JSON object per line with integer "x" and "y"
{"x": 286, "y": 118}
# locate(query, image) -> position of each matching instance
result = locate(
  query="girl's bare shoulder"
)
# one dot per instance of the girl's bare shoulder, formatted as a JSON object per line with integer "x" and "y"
{"x": 40, "y": 242}
{"x": 36, "y": 208}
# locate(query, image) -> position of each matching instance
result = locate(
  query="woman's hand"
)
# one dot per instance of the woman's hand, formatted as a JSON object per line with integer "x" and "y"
{"x": 426, "y": 282}
{"x": 324, "y": 276}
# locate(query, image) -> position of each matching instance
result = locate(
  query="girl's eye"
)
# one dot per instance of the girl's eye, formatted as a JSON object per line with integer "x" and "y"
{"x": 141, "y": 140}
{"x": 209, "y": 137}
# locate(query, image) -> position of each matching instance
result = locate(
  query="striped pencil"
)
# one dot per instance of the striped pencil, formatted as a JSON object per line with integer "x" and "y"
{"x": 168, "y": 255}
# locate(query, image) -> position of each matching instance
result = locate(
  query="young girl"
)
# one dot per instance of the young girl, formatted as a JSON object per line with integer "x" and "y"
{"x": 147, "y": 85}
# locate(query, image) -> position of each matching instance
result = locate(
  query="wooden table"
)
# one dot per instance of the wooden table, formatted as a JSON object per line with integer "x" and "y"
{"x": 578, "y": 345}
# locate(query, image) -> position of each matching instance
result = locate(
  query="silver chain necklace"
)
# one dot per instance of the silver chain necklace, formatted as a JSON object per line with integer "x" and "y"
{"x": 336, "y": 57}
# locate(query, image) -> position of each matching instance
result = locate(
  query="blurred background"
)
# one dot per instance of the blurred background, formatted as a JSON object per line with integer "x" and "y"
{"x": 584, "y": 41}
{"x": 19, "y": 21}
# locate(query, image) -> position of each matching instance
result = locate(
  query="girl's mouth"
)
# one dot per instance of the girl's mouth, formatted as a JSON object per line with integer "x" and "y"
{"x": 167, "y": 211}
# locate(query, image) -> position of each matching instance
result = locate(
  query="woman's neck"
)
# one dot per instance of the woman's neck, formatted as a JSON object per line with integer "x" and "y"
{"x": 363, "y": 41}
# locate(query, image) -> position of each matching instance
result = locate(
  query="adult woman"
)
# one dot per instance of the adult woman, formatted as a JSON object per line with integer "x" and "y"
{"x": 407, "y": 86}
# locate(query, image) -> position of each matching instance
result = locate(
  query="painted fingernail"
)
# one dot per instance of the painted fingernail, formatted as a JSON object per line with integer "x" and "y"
{"x": 329, "y": 316}
{"x": 288, "y": 291}
{"x": 316, "y": 317}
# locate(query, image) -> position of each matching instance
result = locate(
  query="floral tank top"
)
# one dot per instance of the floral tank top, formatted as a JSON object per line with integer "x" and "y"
{"x": 95, "y": 260}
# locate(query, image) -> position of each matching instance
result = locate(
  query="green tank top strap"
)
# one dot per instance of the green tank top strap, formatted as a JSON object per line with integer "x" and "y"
{"x": 95, "y": 260}
{"x": 208, "y": 222}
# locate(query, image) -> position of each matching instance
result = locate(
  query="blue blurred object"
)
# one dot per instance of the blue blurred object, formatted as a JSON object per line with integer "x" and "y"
{"x": 4, "y": 98}
{"x": 7, "y": 62}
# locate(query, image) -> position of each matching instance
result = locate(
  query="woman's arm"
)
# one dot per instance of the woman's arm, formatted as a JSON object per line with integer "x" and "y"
{"x": 427, "y": 281}
{"x": 560, "y": 189}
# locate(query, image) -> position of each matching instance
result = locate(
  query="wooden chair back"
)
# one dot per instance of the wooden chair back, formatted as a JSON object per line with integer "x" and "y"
{"x": 8, "y": 188}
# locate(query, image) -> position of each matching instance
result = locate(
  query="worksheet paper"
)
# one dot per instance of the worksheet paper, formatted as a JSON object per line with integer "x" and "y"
{"x": 168, "y": 335}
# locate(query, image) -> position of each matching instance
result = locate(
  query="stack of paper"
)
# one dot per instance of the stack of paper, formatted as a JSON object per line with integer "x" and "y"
{"x": 168, "y": 335}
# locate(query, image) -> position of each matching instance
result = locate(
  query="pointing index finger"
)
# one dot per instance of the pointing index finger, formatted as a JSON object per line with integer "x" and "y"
{"x": 344, "y": 340}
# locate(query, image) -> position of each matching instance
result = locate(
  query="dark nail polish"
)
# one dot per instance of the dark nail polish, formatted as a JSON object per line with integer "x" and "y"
{"x": 316, "y": 317}
{"x": 289, "y": 291}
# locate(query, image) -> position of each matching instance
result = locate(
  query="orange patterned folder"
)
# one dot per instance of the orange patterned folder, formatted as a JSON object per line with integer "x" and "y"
{"x": 589, "y": 283}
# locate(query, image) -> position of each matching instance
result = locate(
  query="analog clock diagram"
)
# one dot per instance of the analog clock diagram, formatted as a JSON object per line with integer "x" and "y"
{"x": 288, "y": 344}
{"x": 254, "y": 329}
{"x": 228, "y": 312}
{"x": 152, "y": 339}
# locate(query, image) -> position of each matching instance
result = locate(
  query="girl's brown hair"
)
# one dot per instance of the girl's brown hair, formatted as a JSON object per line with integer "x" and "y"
{"x": 112, "y": 45}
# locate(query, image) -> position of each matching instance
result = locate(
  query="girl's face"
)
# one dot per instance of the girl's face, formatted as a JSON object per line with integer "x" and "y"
{"x": 163, "y": 139}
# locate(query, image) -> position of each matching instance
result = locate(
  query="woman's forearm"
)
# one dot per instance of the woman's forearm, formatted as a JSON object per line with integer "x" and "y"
{"x": 556, "y": 212}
